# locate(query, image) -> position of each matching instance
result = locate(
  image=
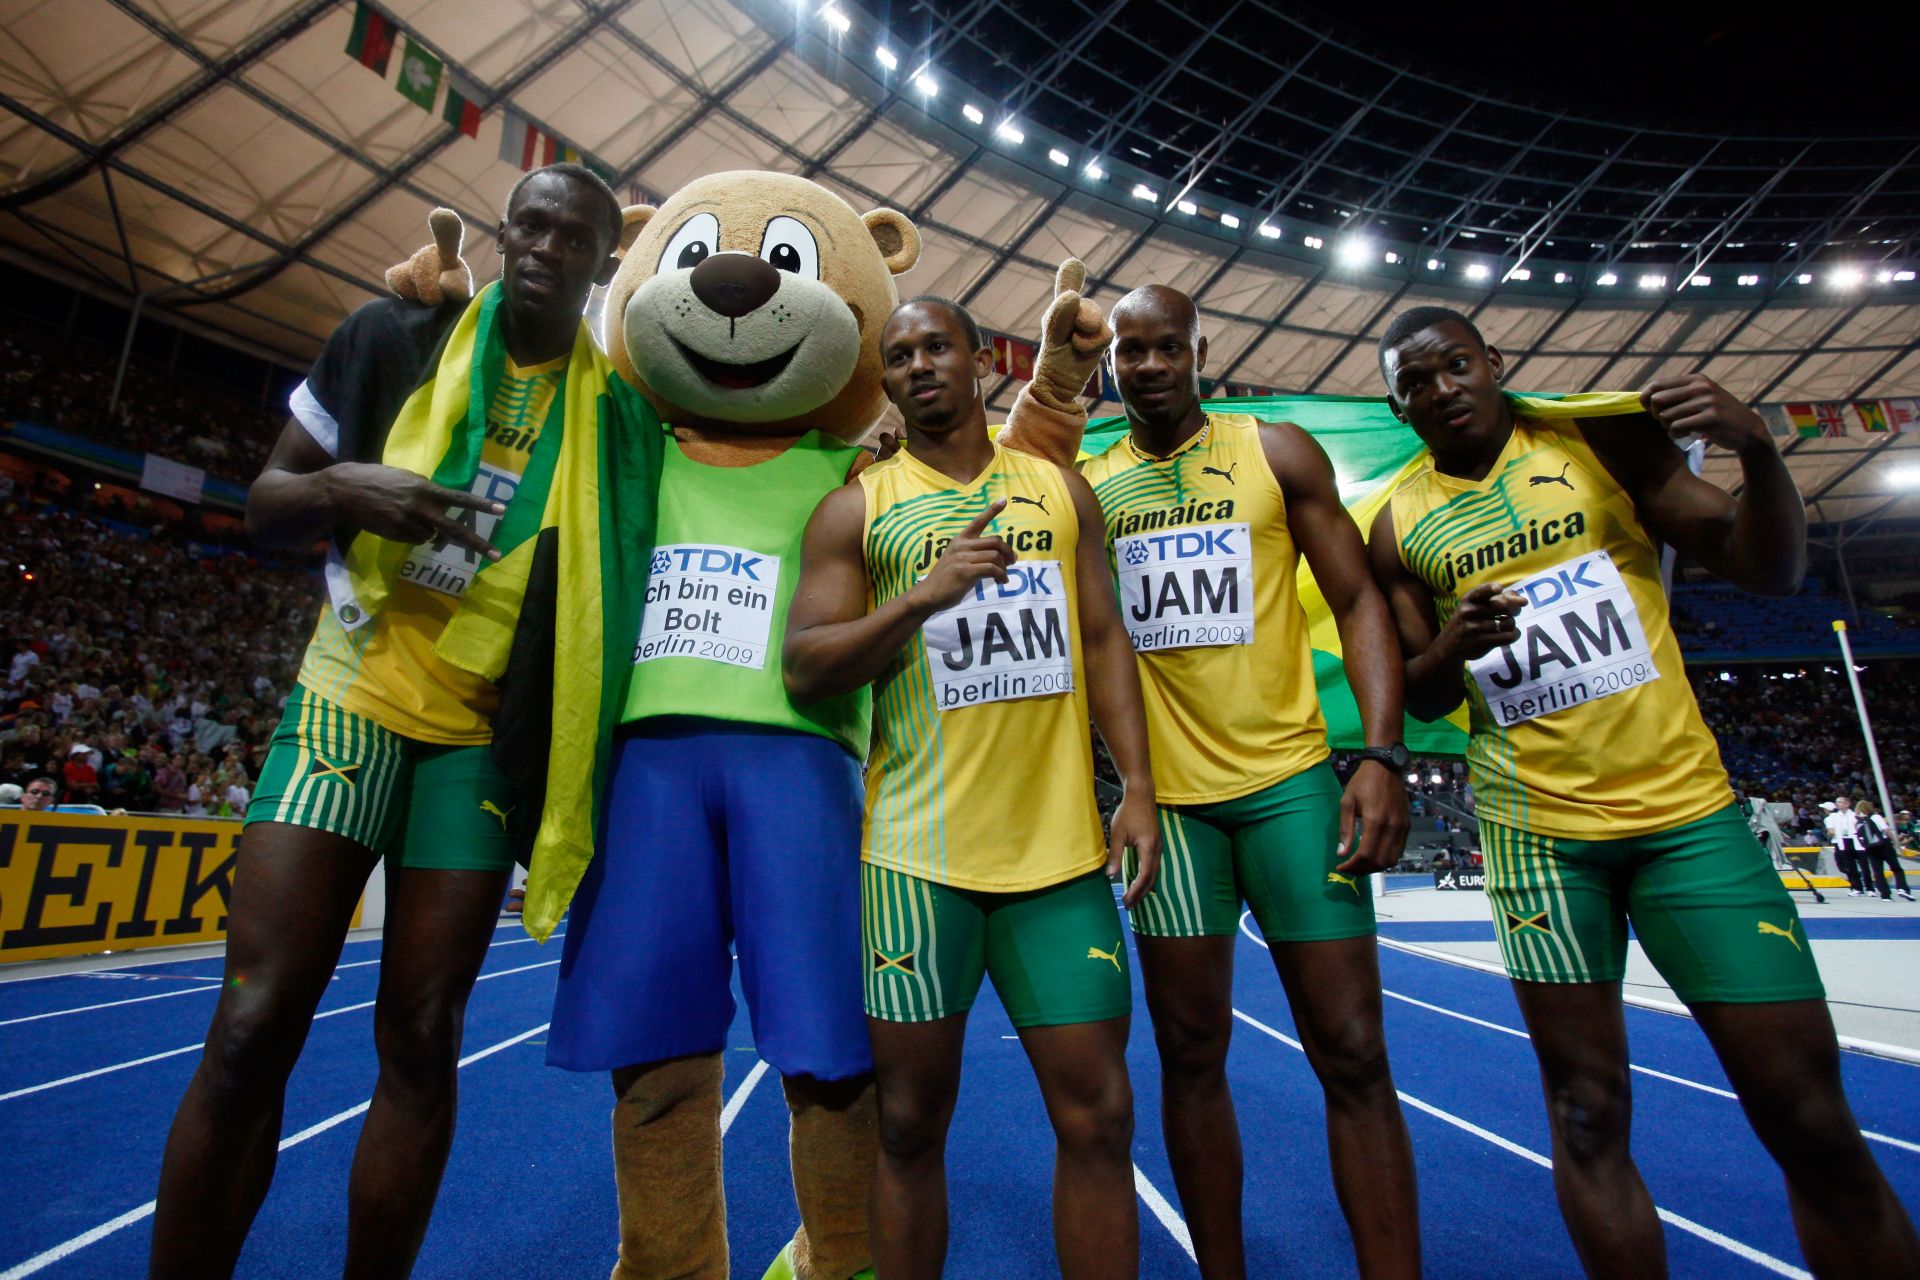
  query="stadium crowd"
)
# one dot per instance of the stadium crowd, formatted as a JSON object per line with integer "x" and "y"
{"x": 142, "y": 671}
{"x": 70, "y": 384}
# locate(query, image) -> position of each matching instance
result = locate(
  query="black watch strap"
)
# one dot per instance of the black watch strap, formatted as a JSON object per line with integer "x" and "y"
{"x": 1395, "y": 757}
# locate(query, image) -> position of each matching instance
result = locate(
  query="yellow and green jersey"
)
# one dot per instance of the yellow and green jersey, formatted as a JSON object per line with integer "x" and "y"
{"x": 1585, "y": 726}
{"x": 386, "y": 669}
{"x": 1206, "y": 568}
{"x": 981, "y": 775}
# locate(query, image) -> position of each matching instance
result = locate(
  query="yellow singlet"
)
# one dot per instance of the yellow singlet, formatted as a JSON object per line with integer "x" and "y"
{"x": 982, "y": 768}
{"x": 1206, "y": 568}
{"x": 387, "y": 670}
{"x": 1586, "y": 725}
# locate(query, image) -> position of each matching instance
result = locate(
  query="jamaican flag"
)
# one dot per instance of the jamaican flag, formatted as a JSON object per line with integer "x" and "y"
{"x": 552, "y": 621}
{"x": 1372, "y": 453}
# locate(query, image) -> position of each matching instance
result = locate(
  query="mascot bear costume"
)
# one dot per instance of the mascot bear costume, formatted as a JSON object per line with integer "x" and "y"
{"x": 747, "y": 311}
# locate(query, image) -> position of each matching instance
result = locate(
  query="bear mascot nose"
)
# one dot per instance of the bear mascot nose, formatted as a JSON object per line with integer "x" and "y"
{"x": 733, "y": 284}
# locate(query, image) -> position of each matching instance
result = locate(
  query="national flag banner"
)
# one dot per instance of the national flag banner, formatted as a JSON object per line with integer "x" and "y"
{"x": 462, "y": 107}
{"x": 524, "y": 143}
{"x": 1872, "y": 415}
{"x": 371, "y": 43}
{"x": 419, "y": 75}
{"x": 1833, "y": 417}
{"x": 1902, "y": 415}
{"x": 1002, "y": 354}
{"x": 1806, "y": 423}
{"x": 1022, "y": 354}
{"x": 1779, "y": 425}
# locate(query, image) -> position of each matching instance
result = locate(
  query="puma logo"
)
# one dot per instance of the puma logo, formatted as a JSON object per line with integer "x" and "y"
{"x": 1776, "y": 931}
{"x": 1227, "y": 475}
{"x": 1334, "y": 877}
{"x": 488, "y": 806}
{"x": 1111, "y": 957}
{"x": 1040, "y": 502}
{"x": 1559, "y": 479}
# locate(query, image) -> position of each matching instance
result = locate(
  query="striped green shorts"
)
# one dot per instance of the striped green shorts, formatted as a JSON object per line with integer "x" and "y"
{"x": 1274, "y": 850}
{"x": 1703, "y": 898}
{"x": 418, "y": 803}
{"x": 1055, "y": 954}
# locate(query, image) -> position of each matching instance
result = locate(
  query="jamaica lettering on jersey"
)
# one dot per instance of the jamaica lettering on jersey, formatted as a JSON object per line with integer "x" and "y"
{"x": 1206, "y": 568}
{"x": 982, "y": 769}
{"x": 387, "y": 670}
{"x": 1585, "y": 726}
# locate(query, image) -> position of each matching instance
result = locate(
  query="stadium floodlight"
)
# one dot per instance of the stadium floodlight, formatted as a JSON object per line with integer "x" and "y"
{"x": 1393, "y": 259}
{"x": 926, "y": 84}
{"x": 1056, "y": 155}
{"x": 1433, "y": 264}
{"x": 1270, "y": 231}
{"x": 1478, "y": 271}
{"x": 1607, "y": 278}
{"x": 1354, "y": 250}
{"x": 1141, "y": 191}
{"x": 1884, "y": 277}
{"x": 1413, "y": 778}
{"x": 1094, "y": 171}
{"x": 1313, "y": 242}
{"x": 1748, "y": 280}
{"x": 1230, "y": 221}
{"x": 1561, "y": 277}
{"x": 1699, "y": 281}
{"x": 840, "y": 22}
{"x": 1187, "y": 207}
{"x": 1010, "y": 131}
{"x": 1805, "y": 277}
{"x": 887, "y": 58}
{"x": 1902, "y": 277}
{"x": 1653, "y": 280}
{"x": 973, "y": 114}
{"x": 1520, "y": 273}
{"x": 1435, "y": 778}
{"x": 1847, "y": 277}
{"x": 1905, "y": 477}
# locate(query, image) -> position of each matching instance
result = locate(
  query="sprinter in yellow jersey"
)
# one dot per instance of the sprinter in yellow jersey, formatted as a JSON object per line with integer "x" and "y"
{"x": 968, "y": 584}
{"x": 1523, "y": 570}
{"x": 1207, "y": 516}
{"x": 385, "y": 747}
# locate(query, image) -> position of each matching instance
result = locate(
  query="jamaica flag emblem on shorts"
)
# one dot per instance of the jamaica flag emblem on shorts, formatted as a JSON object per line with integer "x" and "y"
{"x": 902, "y": 963}
{"x": 1517, "y": 923}
{"x": 324, "y": 768}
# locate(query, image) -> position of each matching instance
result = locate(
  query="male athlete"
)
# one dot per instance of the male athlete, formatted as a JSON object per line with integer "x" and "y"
{"x": 967, "y": 582}
{"x": 1599, "y": 789}
{"x": 385, "y": 745}
{"x": 1207, "y": 516}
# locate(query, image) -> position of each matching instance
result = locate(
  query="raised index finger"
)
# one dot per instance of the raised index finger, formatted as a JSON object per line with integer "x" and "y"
{"x": 461, "y": 498}
{"x": 978, "y": 525}
{"x": 1071, "y": 276}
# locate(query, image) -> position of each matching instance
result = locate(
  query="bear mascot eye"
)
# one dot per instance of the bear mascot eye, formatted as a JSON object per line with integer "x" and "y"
{"x": 789, "y": 246}
{"x": 697, "y": 237}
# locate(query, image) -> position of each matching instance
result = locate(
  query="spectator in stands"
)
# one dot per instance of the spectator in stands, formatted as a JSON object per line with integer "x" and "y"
{"x": 40, "y": 795}
{"x": 82, "y": 779}
{"x": 1878, "y": 852}
{"x": 170, "y": 785}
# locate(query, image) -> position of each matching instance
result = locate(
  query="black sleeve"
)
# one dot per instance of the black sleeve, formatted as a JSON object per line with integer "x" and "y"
{"x": 376, "y": 359}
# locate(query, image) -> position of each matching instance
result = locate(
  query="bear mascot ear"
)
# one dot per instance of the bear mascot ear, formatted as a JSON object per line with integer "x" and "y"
{"x": 897, "y": 237}
{"x": 633, "y": 220}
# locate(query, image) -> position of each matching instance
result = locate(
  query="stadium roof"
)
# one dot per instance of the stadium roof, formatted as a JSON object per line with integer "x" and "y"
{"x": 229, "y": 160}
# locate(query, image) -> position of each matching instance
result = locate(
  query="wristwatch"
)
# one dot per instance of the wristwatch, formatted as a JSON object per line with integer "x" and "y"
{"x": 1395, "y": 757}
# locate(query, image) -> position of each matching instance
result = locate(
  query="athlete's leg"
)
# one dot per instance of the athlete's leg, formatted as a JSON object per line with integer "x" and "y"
{"x": 1082, "y": 1069}
{"x": 1189, "y": 984}
{"x": 1784, "y": 1062}
{"x": 439, "y": 924}
{"x": 1580, "y": 1040}
{"x": 293, "y": 895}
{"x": 1334, "y": 990}
{"x": 917, "y": 1068}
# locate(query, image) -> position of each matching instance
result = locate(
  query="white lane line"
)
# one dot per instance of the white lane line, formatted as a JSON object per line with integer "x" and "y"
{"x": 67, "y": 1248}
{"x": 737, "y": 1101}
{"x": 188, "y": 991}
{"x": 1737, "y": 1248}
{"x": 196, "y": 1047}
{"x": 1157, "y": 1204}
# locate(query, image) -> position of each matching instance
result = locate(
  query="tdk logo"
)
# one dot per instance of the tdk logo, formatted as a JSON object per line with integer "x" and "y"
{"x": 1022, "y": 580}
{"x": 1561, "y": 584}
{"x": 707, "y": 560}
{"x": 1193, "y": 544}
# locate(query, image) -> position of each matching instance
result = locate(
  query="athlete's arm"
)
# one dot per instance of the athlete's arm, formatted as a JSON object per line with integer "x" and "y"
{"x": 1331, "y": 543}
{"x": 1757, "y": 541}
{"x": 1113, "y": 693}
{"x": 833, "y": 644}
{"x": 303, "y": 495}
{"x": 1437, "y": 656}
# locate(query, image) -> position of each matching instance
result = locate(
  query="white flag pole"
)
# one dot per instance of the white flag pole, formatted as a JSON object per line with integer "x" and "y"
{"x": 1866, "y": 725}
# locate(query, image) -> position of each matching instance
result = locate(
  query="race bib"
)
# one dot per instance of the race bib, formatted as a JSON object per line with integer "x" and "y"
{"x": 448, "y": 567}
{"x": 1580, "y": 639}
{"x": 1187, "y": 589}
{"x": 709, "y": 602}
{"x": 1004, "y": 640}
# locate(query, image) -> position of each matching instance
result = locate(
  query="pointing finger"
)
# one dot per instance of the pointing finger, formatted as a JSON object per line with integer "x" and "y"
{"x": 1071, "y": 276}
{"x": 978, "y": 525}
